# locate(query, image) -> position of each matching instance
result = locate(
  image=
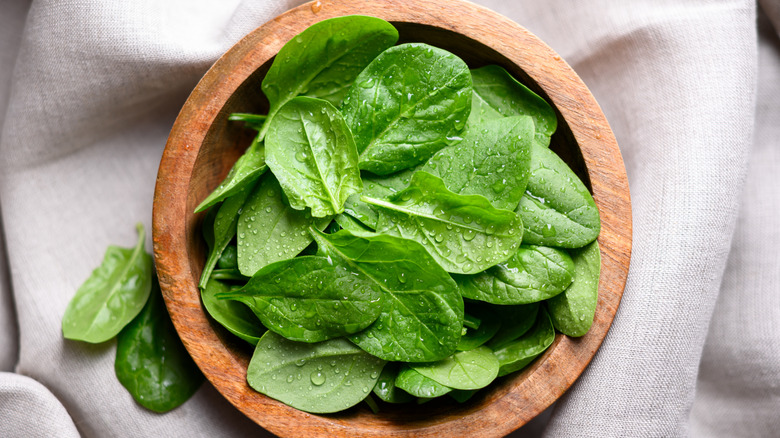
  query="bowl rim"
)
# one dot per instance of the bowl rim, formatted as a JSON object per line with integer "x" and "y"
{"x": 521, "y": 397}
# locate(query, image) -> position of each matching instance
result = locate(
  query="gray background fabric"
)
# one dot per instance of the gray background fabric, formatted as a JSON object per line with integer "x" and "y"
{"x": 89, "y": 91}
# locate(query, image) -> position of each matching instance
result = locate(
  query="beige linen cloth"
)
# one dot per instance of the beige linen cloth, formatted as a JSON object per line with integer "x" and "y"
{"x": 89, "y": 90}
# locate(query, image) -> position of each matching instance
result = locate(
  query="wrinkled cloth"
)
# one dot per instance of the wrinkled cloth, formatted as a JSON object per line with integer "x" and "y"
{"x": 89, "y": 91}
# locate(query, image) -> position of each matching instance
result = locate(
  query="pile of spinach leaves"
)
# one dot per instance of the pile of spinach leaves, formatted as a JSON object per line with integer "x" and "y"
{"x": 398, "y": 226}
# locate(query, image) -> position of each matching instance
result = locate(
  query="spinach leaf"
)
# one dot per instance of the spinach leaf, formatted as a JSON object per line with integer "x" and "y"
{"x": 422, "y": 315}
{"x": 225, "y": 226}
{"x": 377, "y": 187}
{"x": 244, "y": 172}
{"x": 522, "y": 351}
{"x": 534, "y": 273}
{"x": 236, "y": 317}
{"x": 418, "y": 385}
{"x": 406, "y": 105}
{"x": 492, "y": 160}
{"x": 515, "y": 322}
{"x": 557, "y": 209}
{"x": 481, "y": 111}
{"x": 229, "y": 258}
{"x": 311, "y": 298}
{"x": 311, "y": 151}
{"x": 572, "y": 311}
{"x": 323, "y": 60}
{"x": 463, "y": 233}
{"x": 269, "y": 230}
{"x": 112, "y": 295}
{"x": 462, "y": 395}
{"x": 499, "y": 90}
{"x": 472, "y": 369}
{"x": 488, "y": 327}
{"x": 151, "y": 361}
{"x": 347, "y": 222}
{"x": 385, "y": 387}
{"x": 254, "y": 121}
{"x": 324, "y": 377}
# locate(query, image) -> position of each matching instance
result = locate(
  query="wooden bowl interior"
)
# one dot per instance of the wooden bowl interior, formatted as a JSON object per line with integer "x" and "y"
{"x": 197, "y": 162}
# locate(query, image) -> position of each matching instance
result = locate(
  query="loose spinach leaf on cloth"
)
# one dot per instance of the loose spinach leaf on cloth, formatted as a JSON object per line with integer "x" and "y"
{"x": 418, "y": 385}
{"x": 311, "y": 151}
{"x": 533, "y": 273}
{"x": 112, "y": 295}
{"x": 236, "y": 317}
{"x": 497, "y": 89}
{"x": 515, "y": 355}
{"x": 385, "y": 387}
{"x": 244, "y": 172}
{"x": 324, "y": 377}
{"x": 269, "y": 230}
{"x": 151, "y": 361}
{"x": 422, "y": 316}
{"x": 411, "y": 101}
{"x": 572, "y": 311}
{"x": 323, "y": 60}
{"x": 311, "y": 298}
{"x": 472, "y": 369}
{"x": 465, "y": 234}
{"x": 557, "y": 209}
{"x": 492, "y": 160}
{"x": 225, "y": 225}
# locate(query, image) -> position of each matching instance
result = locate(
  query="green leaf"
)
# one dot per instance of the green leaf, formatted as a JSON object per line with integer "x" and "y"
{"x": 385, "y": 387}
{"x": 492, "y": 160}
{"x": 515, "y": 322}
{"x": 311, "y": 298}
{"x": 534, "y": 273}
{"x": 254, "y": 121}
{"x": 225, "y": 226}
{"x": 557, "y": 209}
{"x": 323, "y": 60}
{"x": 269, "y": 230}
{"x": 236, "y": 317}
{"x": 112, "y": 295}
{"x": 472, "y": 369}
{"x": 347, "y": 222}
{"x": 418, "y": 385}
{"x": 517, "y": 354}
{"x": 229, "y": 258}
{"x": 406, "y": 105}
{"x": 481, "y": 111}
{"x": 311, "y": 151}
{"x": 503, "y": 93}
{"x": 244, "y": 172}
{"x": 488, "y": 327}
{"x": 151, "y": 361}
{"x": 324, "y": 377}
{"x": 572, "y": 311}
{"x": 465, "y": 234}
{"x": 377, "y": 187}
{"x": 462, "y": 395}
{"x": 422, "y": 314}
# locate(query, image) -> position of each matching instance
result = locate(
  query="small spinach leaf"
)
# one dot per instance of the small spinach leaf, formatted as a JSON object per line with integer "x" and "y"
{"x": 377, "y": 187}
{"x": 499, "y": 90}
{"x": 418, "y": 385}
{"x": 236, "y": 317}
{"x": 324, "y": 377}
{"x": 515, "y": 322}
{"x": 534, "y": 273}
{"x": 557, "y": 209}
{"x": 269, "y": 230}
{"x": 406, "y": 105}
{"x": 517, "y": 354}
{"x": 311, "y": 151}
{"x": 244, "y": 172}
{"x": 492, "y": 160}
{"x": 151, "y": 361}
{"x": 323, "y": 60}
{"x": 225, "y": 226}
{"x": 463, "y": 233}
{"x": 229, "y": 258}
{"x": 311, "y": 298}
{"x": 385, "y": 387}
{"x": 254, "y": 121}
{"x": 422, "y": 316}
{"x": 572, "y": 311}
{"x": 488, "y": 327}
{"x": 462, "y": 395}
{"x": 472, "y": 369}
{"x": 112, "y": 295}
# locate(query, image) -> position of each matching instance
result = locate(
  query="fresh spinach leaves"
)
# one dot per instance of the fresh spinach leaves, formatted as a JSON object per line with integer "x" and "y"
{"x": 572, "y": 311}
{"x": 472, "y": 369}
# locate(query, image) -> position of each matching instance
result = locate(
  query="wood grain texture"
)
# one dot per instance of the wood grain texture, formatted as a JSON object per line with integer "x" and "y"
{"x": 203, "y": 145}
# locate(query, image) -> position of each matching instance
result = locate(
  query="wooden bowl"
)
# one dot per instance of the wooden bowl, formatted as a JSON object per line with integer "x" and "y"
{"x": 203, "y": 146}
